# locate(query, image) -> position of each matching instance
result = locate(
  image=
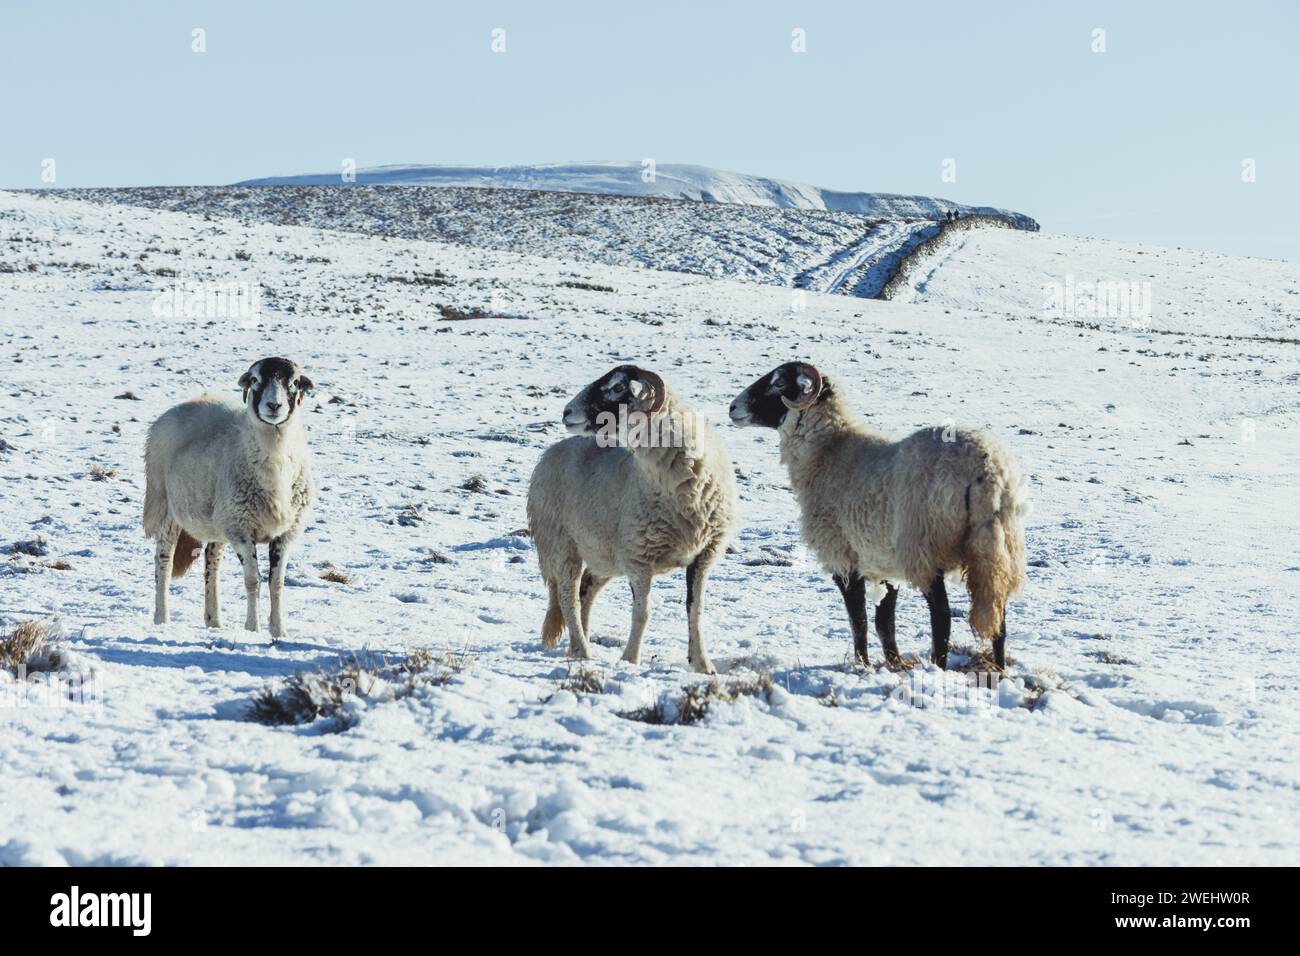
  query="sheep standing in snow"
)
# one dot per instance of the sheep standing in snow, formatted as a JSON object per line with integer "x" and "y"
{"x": 216, "y": 472}
{"x": 646, "y": 487}
{"x": 876, "y": 510}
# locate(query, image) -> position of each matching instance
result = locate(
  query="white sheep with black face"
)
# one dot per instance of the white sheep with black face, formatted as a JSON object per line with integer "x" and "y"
{"x": 218, "y": 472}
{"x": 876, "y": 510}
{"x": 643, "y": 488}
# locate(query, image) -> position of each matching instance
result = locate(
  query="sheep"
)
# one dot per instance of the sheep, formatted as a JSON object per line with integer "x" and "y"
{"x": 876, "y": 511}
{"x": 219, "y": 473}
{"x": 644, "y": 487}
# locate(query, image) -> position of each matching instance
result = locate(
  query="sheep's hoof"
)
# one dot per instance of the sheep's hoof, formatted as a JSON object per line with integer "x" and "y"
{"x": 160, "y": 618}
{"x": 629, "y": 658}
{"x": 582, "y": 653}
{"x": 703, "y": 667}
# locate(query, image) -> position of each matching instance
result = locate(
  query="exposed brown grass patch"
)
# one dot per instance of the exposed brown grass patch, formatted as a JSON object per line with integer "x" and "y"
{"x": 34, "y": 548}
{"x": 582, "y": 679}
{"x": 451, "y": 313}
{"x": 588, "y": 286}
{"x": 1106, "y": 657}
{"x": 100, "y": 473}
{"x": 698, "y": 699}
{"x": 334, "y": 575}
{"x": 30, "y": 647}
{"x": 306, "y": 696}
{"x": 973, "y": 660}
{"x": 852, "y": 664}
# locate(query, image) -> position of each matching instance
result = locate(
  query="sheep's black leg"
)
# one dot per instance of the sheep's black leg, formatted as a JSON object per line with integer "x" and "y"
{"x": 854, "y": 591}
{"x": 885, "y": 624}
{"x": 1000, "y": 645}
{"x": 940, "y": 621}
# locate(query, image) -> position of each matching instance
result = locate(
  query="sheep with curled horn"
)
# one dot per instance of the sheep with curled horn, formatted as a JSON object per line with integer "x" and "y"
{"x": 643, "y": 487}
{"x": 876, "y": 511}
{"x": 222, "y": 472}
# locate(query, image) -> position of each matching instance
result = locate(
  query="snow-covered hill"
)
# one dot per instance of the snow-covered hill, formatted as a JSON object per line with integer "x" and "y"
{"x": 798, "y": 248}
{"x": 1148, "y": 718}
{"x": 665, "y": 180}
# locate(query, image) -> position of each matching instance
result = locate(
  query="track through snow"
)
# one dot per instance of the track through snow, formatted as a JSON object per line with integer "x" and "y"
{"x": 866, "y": 266}
{"x": 1149, "y": 717}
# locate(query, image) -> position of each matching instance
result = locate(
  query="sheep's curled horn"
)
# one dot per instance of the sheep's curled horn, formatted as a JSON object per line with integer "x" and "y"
{"x": 813, "y": 393}
{"x": 661, "y": 393}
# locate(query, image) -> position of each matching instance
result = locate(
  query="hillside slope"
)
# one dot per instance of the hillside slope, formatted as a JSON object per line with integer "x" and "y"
{"x": 800, "y": 248}
{"x": 669, "y": 181}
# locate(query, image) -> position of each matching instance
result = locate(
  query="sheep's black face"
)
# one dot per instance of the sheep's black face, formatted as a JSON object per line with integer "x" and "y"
{"x": 273, "y": 389}
{"x": 626, "y": 387}
{"x": 761, "y": 404}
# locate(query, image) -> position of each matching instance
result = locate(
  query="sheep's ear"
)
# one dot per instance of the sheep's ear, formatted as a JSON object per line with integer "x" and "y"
{"x": 305, "y": 387}
{"x": 245, "y": 381}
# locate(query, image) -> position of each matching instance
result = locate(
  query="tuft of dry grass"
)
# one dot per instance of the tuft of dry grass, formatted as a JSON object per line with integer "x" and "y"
{"x": 451, "y": 313}
{"x": 697, "y": 699}
{"x": 35, "y": 548}
{"x": 583, "y": 679}
{"x": 332, "y": 574}
{"x": 1039, "y": 683}
{"x": 31, "y": 647}
{"x": 100, "y": 473}
{"x": 306, "y": 696}
{"x": 974, "y": 660}
{"x": 589, "y": 286}
{"x": 1106, "y": 657}
{"x": 852, "y": 664}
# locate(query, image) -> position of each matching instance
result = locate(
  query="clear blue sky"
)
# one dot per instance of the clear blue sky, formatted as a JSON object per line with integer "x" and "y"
{"x": 1143, "y": 142}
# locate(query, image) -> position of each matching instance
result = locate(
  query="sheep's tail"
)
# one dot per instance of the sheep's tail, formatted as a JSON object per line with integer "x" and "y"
{"x": 187, "y": 552}
{"x": 157, "y": 515}
{"x": 995, "y": 546}
{"x": 553, "y": 626}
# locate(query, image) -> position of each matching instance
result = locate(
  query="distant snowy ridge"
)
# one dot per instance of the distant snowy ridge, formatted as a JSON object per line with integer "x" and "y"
{"x": 670, "y": 181}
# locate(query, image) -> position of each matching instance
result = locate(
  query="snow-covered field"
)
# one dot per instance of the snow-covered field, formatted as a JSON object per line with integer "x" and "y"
{"x": 995, "y": 270}
{"x": 1148, "y": 717}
